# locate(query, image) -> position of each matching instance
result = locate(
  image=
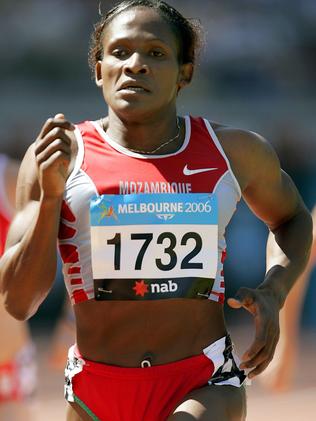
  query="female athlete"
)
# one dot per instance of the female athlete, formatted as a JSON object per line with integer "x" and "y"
{"x": 139, "y": 202}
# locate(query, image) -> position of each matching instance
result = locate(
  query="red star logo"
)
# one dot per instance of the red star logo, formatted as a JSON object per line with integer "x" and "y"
{"x": 140, "y": 288}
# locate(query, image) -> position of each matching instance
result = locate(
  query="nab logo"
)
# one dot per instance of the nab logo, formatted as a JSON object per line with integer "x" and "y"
{"x": 142, "y": 288}
{"x": 165, "y": 216}
{"x": 169, "y": 286}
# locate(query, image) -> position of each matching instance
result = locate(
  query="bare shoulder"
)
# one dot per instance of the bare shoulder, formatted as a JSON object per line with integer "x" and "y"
{"x": 249, "y": 153}
{"x": 267, "y": 189}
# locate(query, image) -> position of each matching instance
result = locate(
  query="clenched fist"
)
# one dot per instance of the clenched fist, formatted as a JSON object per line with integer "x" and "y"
{"x": 53, "y": 155}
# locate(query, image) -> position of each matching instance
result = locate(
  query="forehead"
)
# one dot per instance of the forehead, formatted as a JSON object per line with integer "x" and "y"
{"x": 140, "y": 24}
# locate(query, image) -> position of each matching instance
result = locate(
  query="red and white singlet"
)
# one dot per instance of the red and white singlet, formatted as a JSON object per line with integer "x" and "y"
{"x": 104, "y": 167}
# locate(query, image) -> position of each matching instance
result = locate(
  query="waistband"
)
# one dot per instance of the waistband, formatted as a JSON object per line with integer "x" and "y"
{"x": 210, "y": 356}
{"x": 195, "y": 362}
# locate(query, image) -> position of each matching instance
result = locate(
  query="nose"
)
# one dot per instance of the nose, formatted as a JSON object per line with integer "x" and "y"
{"x": 135, "y": 65}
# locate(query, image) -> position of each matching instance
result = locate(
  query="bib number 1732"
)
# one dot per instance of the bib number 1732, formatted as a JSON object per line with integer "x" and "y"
{"x": 145, "y": 236}
{"x": 153, "y": 251}
{"x": 169, "y": 241}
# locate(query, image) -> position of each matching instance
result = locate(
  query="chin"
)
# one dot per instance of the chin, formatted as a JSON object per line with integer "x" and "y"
{"x": 133, "y": 109}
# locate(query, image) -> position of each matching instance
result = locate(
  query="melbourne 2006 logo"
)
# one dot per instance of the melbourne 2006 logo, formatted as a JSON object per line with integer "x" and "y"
{"x": 107, "y": 212}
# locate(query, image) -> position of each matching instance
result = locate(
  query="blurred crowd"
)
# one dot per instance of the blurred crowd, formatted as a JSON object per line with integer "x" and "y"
{"x": 256, "y": 70}
{"x": 252, "y": 46}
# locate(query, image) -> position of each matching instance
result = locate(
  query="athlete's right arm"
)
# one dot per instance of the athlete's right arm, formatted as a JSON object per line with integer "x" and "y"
{"x": 28, "y": 266}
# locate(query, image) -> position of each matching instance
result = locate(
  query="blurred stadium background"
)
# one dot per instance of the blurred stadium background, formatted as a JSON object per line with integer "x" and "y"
{"x": 256, "y": 71}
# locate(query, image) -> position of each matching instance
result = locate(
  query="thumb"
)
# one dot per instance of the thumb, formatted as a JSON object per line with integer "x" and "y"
{"x": 234, "y": 303}
{"x": 66, "y": 123}
{"x": 244, "y": 297}
{"x": 59, "y": 115}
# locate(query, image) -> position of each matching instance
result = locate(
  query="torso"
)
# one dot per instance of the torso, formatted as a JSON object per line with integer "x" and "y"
{"x": 123, "y": 332}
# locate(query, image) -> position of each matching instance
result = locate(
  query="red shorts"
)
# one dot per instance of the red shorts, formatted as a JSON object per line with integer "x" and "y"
{"x": 111, "y": 393}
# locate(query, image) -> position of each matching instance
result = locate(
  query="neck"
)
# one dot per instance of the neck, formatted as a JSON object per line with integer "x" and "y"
{"x": 162, "y": 134}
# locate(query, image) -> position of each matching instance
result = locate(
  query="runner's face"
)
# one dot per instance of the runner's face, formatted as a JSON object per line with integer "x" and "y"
{"x": 139, "y": 73}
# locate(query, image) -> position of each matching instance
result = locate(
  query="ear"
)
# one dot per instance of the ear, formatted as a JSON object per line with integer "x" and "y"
{"x": 185, "y": 75}
{"x": 98, "y": 74}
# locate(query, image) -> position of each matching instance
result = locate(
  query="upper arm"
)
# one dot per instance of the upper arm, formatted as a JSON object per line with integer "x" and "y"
{"x": 266, "y": 188}
{"x": 270, "y": 191}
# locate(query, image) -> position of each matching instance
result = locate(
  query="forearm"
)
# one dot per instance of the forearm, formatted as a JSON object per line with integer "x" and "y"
{"x": 293, "y": 243}
{"x": 28, "y": 268}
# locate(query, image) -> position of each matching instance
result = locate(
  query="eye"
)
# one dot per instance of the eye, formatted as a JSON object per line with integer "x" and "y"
{"x": 120, "y": 53}
{"x": 156, "y": 53}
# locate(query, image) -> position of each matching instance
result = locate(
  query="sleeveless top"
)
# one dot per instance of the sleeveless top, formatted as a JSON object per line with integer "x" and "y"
{"x": 6, "y": 210}
{"x": 103, "y": 167}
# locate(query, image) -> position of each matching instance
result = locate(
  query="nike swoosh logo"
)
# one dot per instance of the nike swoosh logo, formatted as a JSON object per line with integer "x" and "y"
{"x": 187, "y": 171}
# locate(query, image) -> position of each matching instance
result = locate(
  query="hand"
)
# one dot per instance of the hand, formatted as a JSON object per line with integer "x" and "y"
{"x": 264, "y": 307}
{"x": 53, "y": 155}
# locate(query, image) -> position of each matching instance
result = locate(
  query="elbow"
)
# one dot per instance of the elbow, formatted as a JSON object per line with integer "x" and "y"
{"x": 20, "y": 314}
{"x": 18, "y": 310}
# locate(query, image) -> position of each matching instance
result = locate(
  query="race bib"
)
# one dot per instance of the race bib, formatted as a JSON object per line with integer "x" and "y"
{"x": 147, "y": 246}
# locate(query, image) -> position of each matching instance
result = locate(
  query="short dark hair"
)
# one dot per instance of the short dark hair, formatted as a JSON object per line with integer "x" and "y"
{"x": 187, "y": 31}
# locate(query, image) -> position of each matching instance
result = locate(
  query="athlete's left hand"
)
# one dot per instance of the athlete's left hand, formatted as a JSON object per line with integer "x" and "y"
{"x": 264, "y": 307}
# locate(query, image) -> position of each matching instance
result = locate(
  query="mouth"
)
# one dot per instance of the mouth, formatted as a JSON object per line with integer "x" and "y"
{"x": 133, "y": 87}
